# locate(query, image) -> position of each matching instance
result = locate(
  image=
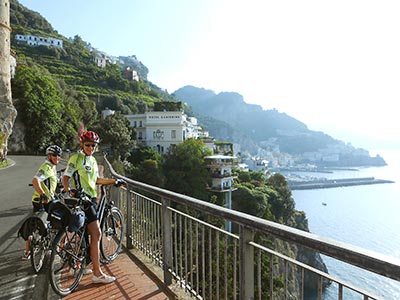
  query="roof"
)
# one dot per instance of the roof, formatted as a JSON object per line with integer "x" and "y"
{"x": 221, "y": 156}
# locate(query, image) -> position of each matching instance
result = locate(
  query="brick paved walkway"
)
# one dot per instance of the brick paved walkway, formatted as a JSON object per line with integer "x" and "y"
{"x": 134, "y": 282}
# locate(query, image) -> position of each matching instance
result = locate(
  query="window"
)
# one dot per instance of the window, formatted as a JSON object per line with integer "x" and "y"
{"x": 173, "y": 134}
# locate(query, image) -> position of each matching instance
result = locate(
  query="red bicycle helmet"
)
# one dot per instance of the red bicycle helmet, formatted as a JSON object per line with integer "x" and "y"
{"x": 90, "y": 136}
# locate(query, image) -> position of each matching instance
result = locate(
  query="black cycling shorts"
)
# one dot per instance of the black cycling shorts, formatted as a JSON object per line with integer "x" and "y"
{"x": 91, "y": 211}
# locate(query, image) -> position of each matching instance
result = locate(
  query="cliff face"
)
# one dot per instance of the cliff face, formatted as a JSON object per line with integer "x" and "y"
{"x": 309, "y": 257}
{"x": 17, "y": 139}
{"x": 293, "y": 273}
{"x": 302, "y": 254}
{"x": 7, "y": 110}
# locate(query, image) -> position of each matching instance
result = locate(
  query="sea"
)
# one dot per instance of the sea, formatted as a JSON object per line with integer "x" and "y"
{"x": 366, "y": 216}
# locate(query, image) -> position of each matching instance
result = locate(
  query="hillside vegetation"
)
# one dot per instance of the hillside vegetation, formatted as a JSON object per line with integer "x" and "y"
{"x": 57, "y": 89}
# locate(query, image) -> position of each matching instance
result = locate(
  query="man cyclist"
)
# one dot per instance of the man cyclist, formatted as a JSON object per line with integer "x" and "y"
{"x": 45, "y": 183}
{"x": 82, "y": 168}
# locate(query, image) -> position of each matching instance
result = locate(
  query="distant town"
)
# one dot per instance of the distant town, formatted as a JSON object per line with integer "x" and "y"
{"x": 162, "y": 128}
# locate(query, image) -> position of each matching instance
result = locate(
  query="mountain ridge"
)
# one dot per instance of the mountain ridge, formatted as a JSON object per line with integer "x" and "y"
{"x": 270, "y": 130}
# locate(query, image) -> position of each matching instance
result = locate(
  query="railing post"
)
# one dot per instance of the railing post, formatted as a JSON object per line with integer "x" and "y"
{"x": 166, "y": 219}
{"x": 129, "y": 221}
{"x": 246, "y": 264}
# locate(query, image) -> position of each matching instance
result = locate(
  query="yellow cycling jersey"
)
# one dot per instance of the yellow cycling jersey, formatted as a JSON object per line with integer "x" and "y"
{"x": 47, "y": 175}
{"x": 84, "y": 172}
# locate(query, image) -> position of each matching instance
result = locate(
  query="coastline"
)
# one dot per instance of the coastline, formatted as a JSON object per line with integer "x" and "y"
{"x": 333, "y": 183}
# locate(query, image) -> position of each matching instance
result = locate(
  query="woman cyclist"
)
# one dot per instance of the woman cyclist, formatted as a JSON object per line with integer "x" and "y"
{"x": 45, "y": 184}
{"x": 83, "y": 171}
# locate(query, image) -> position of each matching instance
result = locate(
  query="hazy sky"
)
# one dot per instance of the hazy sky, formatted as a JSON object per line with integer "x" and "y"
{"x": 333, "y": 65}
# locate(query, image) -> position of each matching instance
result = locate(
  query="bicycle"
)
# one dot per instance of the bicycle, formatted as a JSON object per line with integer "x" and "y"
{"x": 70, "y": 250}
{"x": 42, "y": 233}
{"x": 39, "y": 245}
{"x": 112, "y": 227}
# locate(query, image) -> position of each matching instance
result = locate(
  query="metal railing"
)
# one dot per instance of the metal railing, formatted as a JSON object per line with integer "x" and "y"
{"x": 184, "y": 236}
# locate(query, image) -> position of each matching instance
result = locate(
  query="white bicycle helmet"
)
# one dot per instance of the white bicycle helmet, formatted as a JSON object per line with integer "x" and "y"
{"x": 54, "y": 149}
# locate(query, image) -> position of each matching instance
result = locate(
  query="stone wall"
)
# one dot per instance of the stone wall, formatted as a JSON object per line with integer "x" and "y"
{"x": 16, "y": 142}
{"x": 7, "y": 111}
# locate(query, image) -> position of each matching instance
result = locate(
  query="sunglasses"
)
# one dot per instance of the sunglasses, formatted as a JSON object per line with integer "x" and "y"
{"x": 55, "y": 155}
{"x": 90, "y": 145}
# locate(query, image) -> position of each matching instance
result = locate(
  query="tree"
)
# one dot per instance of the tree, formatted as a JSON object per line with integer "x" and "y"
{"x": 253, "y": 202}
{"x": 185, "y": 169}
{"x": 77, "y": 109}
{"x": 255, "y": 178}
{"x": 283, "y": 206}
{"x": 112, "y": 102}
{"x": 146, "y": 166}
{"x": 116, "y": 132}
{"x": 38, "y": 100}
{"x": 150, "y": 172}
{"x": 7, "y": 110}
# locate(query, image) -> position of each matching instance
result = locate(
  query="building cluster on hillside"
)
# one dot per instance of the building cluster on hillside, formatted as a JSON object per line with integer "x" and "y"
{"x": 100, "y": 58}
{"x": 270, "y": 157}
{"x": 34, "y": 40}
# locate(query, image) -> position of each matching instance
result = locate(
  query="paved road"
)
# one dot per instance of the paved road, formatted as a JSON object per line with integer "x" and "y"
{"x": 17, "y": 279}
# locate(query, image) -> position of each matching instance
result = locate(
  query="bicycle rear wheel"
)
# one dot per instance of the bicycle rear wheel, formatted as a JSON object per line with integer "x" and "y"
{"x": 113, "y": 230}
{"x": 37, "y": 246}
{"x": 67, "y": 262}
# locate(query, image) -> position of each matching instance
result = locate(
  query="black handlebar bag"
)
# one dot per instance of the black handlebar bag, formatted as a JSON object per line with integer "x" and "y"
{"x": 59, "y": 215}
{"x": 35, "y": 222}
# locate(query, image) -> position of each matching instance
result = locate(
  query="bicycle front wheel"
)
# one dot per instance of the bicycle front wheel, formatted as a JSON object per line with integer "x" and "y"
{"x": 67, "y": 262}
{"x": 113, "y": 230}
{"x": 37, "y": 246}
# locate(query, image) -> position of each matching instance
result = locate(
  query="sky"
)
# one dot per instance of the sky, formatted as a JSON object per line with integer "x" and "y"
{"x": 333, "y": 65}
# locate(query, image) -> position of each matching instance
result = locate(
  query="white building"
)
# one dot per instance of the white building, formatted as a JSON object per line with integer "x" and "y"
{"x": 33, "y": 40}
{"x": 159, "y": 129}
{"x": 100, "y": 59}
{"x": 193, "y": 129}
{"x": 220, "y": 165}
{"x": 221, "y": 172}
{"x": 107, "y": 112}
{"x": 131, "y": 75}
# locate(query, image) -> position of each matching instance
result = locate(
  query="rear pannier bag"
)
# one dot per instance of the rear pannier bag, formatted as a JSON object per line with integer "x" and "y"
{"x": 35, "y": 222}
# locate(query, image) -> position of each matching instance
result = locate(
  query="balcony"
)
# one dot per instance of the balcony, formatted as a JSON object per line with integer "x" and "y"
{"x": 222, "y": 175}
{"x": 184, "y": 238}
{"x": 221, "y": 189}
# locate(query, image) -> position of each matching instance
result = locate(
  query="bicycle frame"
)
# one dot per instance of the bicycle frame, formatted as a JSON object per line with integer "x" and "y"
{"x": 111, "y": 226}
{"x": 101, "y": 208}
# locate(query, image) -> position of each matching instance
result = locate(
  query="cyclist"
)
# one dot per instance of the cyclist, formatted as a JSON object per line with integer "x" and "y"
{"x": 82, "y": 168}
{"x": 44, "y": 183}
